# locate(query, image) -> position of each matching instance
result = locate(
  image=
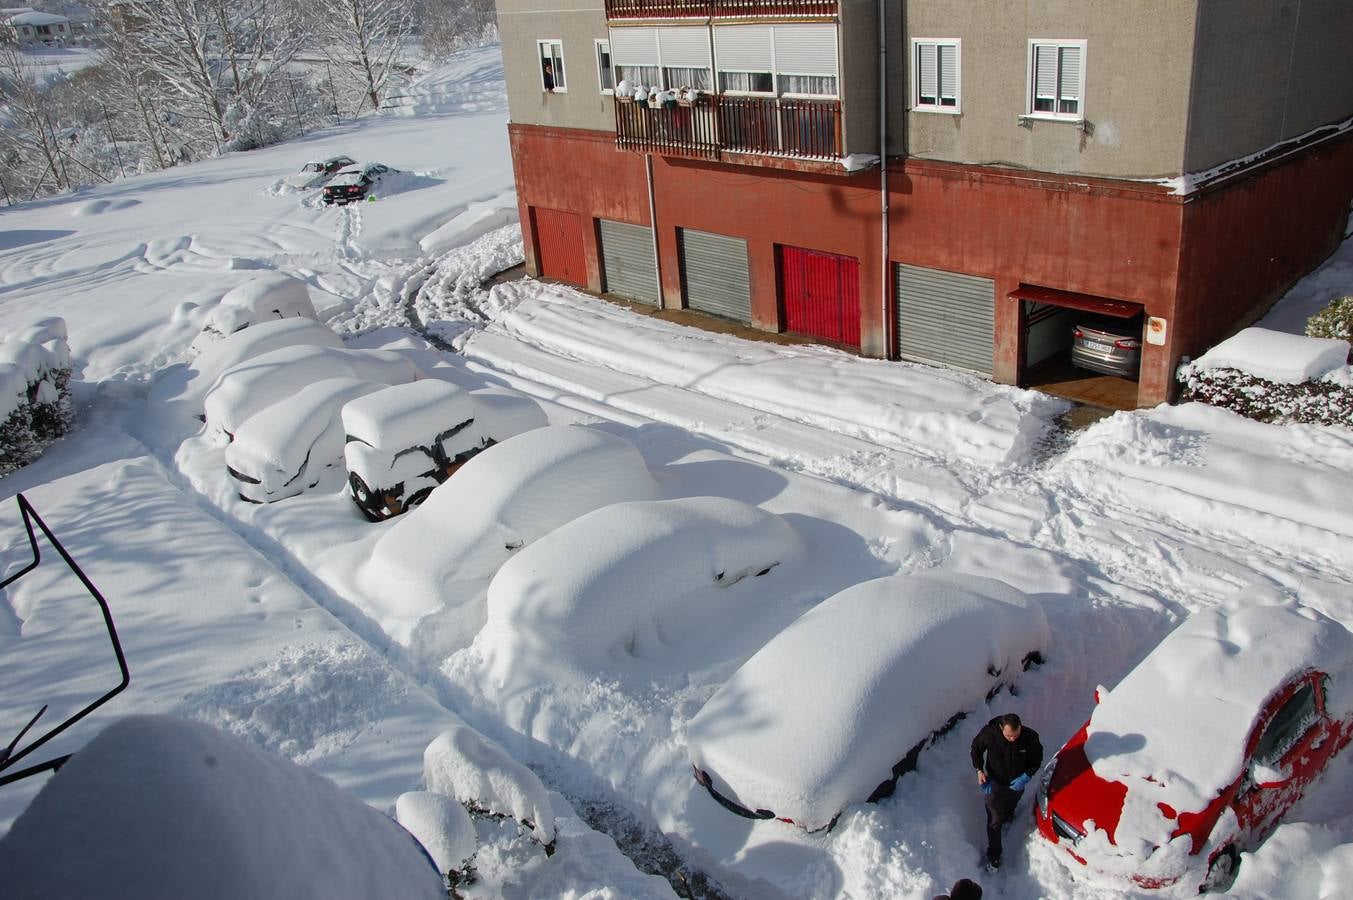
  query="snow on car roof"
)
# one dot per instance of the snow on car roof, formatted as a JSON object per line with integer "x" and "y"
{"x": 350, "y": 175}
{"x": 625, "y": 580}
{"x": 1182, "y": 716}
{"x": 819, "y": 716}
{"x": 408, "y": 415}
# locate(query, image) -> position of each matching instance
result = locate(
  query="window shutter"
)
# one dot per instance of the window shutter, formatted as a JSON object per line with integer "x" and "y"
{"x": 634, "y": 47}
{"x": 743, "y": 48}
{"x": 948, "y": 59}
{"x": 1069, "y": 82}
{"x": 926, "y": 79}
{"x": 684, "y": 47}
{"x": 805, "y": 49}
{"x": 1045, "y": 71}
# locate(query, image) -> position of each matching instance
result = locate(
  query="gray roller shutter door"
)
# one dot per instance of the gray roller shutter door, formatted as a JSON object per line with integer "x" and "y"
{"x": 714, "y": 268}
{"x": 944, "y": 317}
{"x": 627, "y": 261}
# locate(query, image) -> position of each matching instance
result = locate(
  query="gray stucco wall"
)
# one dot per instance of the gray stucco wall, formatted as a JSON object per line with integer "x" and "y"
{"x": 1138, "y": 64}
{"x": 858, "y": 54}
{"x": 577, "y": 23}
{"x": 1267, "y": 71}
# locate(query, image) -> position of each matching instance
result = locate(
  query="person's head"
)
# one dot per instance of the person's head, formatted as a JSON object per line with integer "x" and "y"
{"x": 549, "y": 67}
{"x": 1011, "y": 727}
{"x": 965, "y": 889}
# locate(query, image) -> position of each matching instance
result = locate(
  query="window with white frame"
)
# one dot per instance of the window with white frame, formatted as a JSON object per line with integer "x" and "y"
{"x": 1056, "y": 79}
{"x": 552, "y": 66}
{"x": 605, "y": 77}
{"x": 936, "y": 69}
{"x": 782, "y": 60}
{"x": 662, "y": 57}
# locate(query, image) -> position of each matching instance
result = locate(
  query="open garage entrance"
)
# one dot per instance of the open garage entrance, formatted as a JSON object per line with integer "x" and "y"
{"x": 1079, "y": 346}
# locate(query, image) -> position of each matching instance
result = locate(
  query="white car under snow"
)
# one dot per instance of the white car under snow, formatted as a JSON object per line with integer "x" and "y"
{"x": 837, "y": 706}
{"x": 284, "y": 449}
{"x": 444, "y": 552}
{"x": 405, "y": 440}
{"x": 263, "y": 298}
{"x": 626, "y": 580}
{"x": 257, "y": 383}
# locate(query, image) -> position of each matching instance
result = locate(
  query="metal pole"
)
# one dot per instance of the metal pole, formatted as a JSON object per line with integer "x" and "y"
{"x": 883, "y": 175}
{"x": 653, "y": 221}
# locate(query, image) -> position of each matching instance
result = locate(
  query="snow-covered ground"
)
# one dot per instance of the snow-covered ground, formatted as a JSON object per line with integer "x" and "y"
{"x": 274, "y": 622}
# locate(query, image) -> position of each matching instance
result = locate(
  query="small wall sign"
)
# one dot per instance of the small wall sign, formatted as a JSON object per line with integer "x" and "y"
{"x": 1155, "y": 331}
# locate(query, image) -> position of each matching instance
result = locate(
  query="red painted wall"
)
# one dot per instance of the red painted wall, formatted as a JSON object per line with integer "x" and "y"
{"x": 1199, "y": 262}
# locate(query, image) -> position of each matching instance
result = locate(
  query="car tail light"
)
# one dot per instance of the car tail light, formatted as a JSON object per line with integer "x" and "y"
{"x": 1077, "y": 333}
{"x": 1128, "y": 344}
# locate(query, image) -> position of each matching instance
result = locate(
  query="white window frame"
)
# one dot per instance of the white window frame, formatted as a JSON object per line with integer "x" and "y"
{"x": 1031, "y": 81}
{"x": 601, "y": 82}
{"x": 662, "y": 65}
{"x": 775, "y": 74}
{"x": 560, "y": 87}
{"x": 937, "y": 107}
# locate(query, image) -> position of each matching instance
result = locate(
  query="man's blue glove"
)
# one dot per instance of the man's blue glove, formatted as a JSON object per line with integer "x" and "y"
{"x": 988, "y": 786}
{"x": 1019, "y": 783}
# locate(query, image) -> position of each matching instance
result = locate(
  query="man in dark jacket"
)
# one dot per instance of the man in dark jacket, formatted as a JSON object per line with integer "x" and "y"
{"x": 1006, "y": 756}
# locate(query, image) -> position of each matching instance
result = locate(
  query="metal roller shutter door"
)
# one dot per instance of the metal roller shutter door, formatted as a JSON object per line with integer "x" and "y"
{"x": 944, "y": 317}
{"x": 714, "y": 268}
{"x": 627, "y": 260}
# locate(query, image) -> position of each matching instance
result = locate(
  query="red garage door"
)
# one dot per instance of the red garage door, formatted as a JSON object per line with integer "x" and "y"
{"x": 559, "y": 245}
{"x": 821, "y": 295}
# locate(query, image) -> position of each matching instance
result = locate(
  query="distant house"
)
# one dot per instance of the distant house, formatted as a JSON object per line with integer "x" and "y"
{"x": 31, "y": 28}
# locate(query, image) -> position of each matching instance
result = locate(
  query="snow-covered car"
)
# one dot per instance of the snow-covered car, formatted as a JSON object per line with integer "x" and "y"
{"x": 512, "y": 494}
{"x": 625, "y": 580}
{"x": 404, "y": 441}
{"x": 1201, "y": 749}
{"x": 317, "y": 172}
{"x": 264, "y": 337}
{"x": 355, "y": 182}
{"x": 257, "y": 383}
{"x": 283, "y": 450}
{"x": 835, "y": 708}
{"x": 260, "y": 299}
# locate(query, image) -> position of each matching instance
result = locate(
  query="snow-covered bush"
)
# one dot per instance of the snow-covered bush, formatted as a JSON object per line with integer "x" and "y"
{"x": 1334, "y": 321}
{"x": 35, "y": 407}
{"x": 1272, "y": 376}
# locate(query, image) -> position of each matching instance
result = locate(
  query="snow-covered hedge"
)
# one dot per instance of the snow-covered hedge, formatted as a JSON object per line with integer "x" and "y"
{"x": 35, "y": 407}
{"x": 1272, "y": 376}
{"x": 1334, "y": 321}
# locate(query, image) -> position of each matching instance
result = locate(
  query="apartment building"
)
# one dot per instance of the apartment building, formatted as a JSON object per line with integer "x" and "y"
{"x": 946, "y": 181}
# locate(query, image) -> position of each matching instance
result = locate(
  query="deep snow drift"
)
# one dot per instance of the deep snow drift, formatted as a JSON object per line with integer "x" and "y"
{"x": 350, "y": 647}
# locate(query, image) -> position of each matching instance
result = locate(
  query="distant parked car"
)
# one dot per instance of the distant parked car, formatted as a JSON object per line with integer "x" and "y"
{"x": 317, "y": 172}
{"x": 1201, "y": 749}
{"x": 283, "y": 449}
{"x": 838, "y": 706}
{"x": 1110, "y": 346}
{"x": 355, "y": 182}
{"x": 404, "y": 441}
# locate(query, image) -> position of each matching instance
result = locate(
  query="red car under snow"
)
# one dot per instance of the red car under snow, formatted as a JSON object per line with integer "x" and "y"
{"x": 1202, "y": 748}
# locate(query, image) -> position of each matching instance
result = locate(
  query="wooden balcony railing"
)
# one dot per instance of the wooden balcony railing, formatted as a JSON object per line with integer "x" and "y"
{"x": 703, "y": 9}
{"x": 801, "y": 129}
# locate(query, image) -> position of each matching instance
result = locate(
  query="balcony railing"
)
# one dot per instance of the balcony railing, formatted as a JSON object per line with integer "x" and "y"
{"x": 777, "y": 126}
{"x": 725, "y": 9}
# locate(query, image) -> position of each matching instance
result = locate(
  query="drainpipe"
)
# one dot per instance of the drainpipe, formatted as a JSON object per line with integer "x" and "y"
{"x": 883, "y": 175}
{"x": 653, "y": 222}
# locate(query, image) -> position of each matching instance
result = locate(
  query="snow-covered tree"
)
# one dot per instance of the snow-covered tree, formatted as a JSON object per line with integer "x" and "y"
{"x": 364, "y": 41}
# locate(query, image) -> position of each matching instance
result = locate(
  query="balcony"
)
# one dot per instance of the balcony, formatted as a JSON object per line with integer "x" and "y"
{"x": 717, "y": 9}
{"x": 720, "y": 124}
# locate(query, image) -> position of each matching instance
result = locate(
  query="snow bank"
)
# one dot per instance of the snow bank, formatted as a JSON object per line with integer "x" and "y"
{"x": 444, "y": 552}
{"x": 441, "y": 825}
{"x": 1191, "y": 703}
{"x": 819, "y": 716}
{"x": 297, "y": 435}
{"x": 1276, "y": 355}
{"x": 261, "y": 381}
{"x": 464, "y": 764}
{"x": 156, "y": 807}
{"x": 602, "y": 589}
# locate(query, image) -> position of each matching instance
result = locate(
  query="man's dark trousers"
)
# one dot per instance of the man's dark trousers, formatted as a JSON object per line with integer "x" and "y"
{"x": 1000, "y": 803}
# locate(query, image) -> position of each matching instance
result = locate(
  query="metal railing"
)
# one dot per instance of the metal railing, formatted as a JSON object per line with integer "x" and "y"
{"x": 726, "y": 9}
{"x": 778, "y": 126}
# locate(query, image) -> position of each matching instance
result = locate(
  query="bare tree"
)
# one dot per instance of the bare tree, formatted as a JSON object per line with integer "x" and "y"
{"x": 29, "y": 136}
{"x": 364, "y": 41}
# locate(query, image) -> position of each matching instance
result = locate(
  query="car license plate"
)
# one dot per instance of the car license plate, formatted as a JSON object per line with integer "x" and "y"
{"x": 1096, "y": 345}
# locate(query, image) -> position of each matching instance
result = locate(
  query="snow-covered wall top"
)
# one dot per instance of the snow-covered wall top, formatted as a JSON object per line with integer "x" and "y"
{"x": 1276, "y": 355}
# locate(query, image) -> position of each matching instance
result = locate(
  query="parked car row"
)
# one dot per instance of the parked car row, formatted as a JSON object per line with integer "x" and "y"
{"x": 343, "y": 180}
